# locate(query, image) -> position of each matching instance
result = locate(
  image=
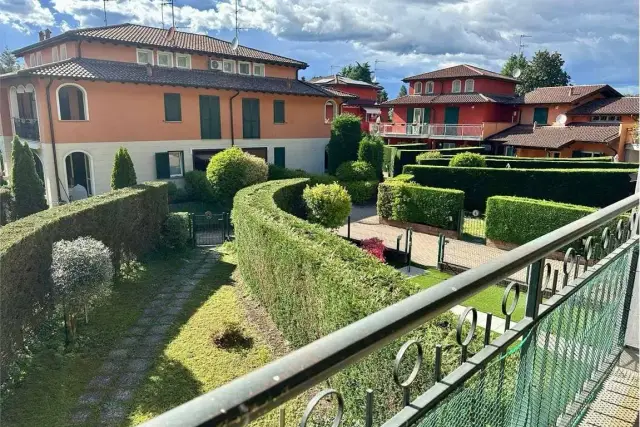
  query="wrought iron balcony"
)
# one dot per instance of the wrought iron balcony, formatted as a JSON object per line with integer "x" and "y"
{"x": 543, "y": 370}
{"x": 27, "y": 128}
{"x": 433, "y": 131}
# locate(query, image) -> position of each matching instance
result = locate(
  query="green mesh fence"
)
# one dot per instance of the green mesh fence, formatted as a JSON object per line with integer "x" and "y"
{"x": 553, "y": 372}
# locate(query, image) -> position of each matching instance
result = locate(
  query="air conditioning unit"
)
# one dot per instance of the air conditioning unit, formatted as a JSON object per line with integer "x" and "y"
{"x": 215, "y": 65}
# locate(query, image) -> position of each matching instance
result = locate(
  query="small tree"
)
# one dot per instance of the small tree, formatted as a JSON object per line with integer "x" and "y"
{"x": 5, "y": 205}
{"x": 468, "y": 160}
{"x": 327, "y": 204}
{"x": 371, "y": 150}
{"x": 232, "y": 169}
{"x": 82, "y": 275}
{"x": 403, "y": 91}
{"x": 123, "y": 173}
{"x": 26, "y": 186}
{"x": 545, "y": 69}
{"x": 8, "y": 61}
{"x": 345, "y": 139}
{"x": 356, "y": 171}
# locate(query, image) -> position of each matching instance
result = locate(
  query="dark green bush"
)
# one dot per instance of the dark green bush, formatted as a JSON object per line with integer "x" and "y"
{"x": 587, "y": 187}
{"x": 356, "y": 171}
{"x": 176, "y": 231}
{"x": 27, "y": 188}
{"x": 6, "y": 201}
{"x": 402, "y": 157}
{"x": 127, "y": 221}
{"x": 361, "y": 192}
{"x": 437, "y": 207}
{"x": 542, "y": 163}
{"x": 123, "y": 173}
{"x": 198, "y": 187}
{"x": 519, "y": 220}
{"x": 403, "y": 177}
{"x": 327, "y": 204}
{"x": 345, "y": 138}
{"x": 370, "y": 151}
{"x": 468, "y": 160}
{"x": 429, "y": 155}
{"x": 232, "y": 169}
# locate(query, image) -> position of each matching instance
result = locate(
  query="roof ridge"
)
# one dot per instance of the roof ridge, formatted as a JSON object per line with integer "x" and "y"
{"x": 472, "y": 68}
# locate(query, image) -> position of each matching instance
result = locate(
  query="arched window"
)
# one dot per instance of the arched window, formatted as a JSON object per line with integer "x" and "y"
{"x": 72, "y": 102}
{"x": 330, "y": 111}
{"x": 79, "y": 169}
{"x": 417, "y": 88}
{"x": 468, "y": 85}
{"x": 455, "y": 86}
{"x": 429, "y": 87}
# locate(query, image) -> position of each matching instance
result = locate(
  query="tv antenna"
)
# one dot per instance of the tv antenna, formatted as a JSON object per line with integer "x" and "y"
{"x": 236, "y": 41}
{"x": 173, "y": 18}
{"x": 104, "y": 7}
{"x": 375, "y": 70}
{"x": 521, "y": 46}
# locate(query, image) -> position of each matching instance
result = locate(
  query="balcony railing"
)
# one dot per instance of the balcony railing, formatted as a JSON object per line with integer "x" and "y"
{"x": 541, "y": 371}
{"x": 433, "y": 131}
{"x": 27, "y": 128}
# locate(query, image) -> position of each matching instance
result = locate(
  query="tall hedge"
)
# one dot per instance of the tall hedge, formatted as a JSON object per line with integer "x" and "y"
{"x": 370, "y": 151}
{"x": 345, "y": 138}
{"x": 26, "y": 186}
{"x": 5, "y": 205}
{"x": 399, "y": 158}
{"x": 123, "y": 173}
{"x": 127, "y": 221}
{"x": 542, "y": 163}
{"x": 437, "y": 207}
{"x": 588, "y": 187}
{"x": 519, "y": 220}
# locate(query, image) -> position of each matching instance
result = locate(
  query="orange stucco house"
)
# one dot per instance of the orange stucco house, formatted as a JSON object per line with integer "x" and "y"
{"x": 173, "y": 99}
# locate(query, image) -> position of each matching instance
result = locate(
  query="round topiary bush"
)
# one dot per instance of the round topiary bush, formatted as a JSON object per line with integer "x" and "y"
{"x": 233, "y": 169}
{"x": 468, "y": 160}
{"x": 198, "y": 187}
{"x": 429, "y": 155}
{"x": 175, "y": 231}
{"x": 361, "y": 192}
{"x": 327, "y": 204}
{"x": 356, "y": 171}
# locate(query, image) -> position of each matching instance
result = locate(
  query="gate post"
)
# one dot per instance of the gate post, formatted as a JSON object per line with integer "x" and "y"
{"x": 440, "y": 252}
{"x": 192, "y": 231}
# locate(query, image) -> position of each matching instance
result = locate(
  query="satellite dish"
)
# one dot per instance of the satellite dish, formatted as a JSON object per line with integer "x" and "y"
{"x": 374, "y": 79}
{"x": 561, "y": 119}
{"x": 235, "y": 43}
{"x": 517, "y": 73}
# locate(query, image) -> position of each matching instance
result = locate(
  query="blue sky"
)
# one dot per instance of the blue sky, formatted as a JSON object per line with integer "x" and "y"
{"x": 599, "y": 42}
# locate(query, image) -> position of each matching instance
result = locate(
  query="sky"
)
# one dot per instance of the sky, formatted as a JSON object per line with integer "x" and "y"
{"x": 598, "y": 39}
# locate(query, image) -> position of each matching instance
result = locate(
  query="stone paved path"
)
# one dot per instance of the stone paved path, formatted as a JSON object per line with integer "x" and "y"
{"x": 127, "y": 364}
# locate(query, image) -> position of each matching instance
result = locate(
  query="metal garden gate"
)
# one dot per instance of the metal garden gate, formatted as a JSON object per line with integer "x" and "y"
{"x": 472, "y": 228}
{"x": 210, "y": 229}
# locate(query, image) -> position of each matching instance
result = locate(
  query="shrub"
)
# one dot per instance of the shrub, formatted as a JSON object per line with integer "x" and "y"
{"x": 344, "y": 141}
{"x": 128, "y": 221}
{"x": 437, "y": 207}
{"x": 278, "y": 172}
{"x": 327, "y": 204}
{"x": 361, "y": 192}
{"x": 402, "y": 157}
{"x": 197, "y": 186}
{"x": 468, "y": 160}
{"x": 375, "y": 247}
{"x": 370, "y": 151}
{"x": 587, "y": 187}
{"x": 356, "y": 171}
{"x": 541, "y": 163}
{"x": 232, "y": 169}
{"x": 123, "y": 173}
{"x": 429, "y": 155}
{"x": 82, "y": 275}
{"x": 403, "y": 177}
{"x": 5, "y": 205}
{"x": 176, "y": 231}
{"x": 26, "y": 186}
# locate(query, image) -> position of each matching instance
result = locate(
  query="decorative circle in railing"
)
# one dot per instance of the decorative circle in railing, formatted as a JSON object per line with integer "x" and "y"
{"x": 472, "y": 330}
{"x": 570, "y": 261}
{"x": 605, "y": 240}
{"x": 634, "y": 223}
{"x": 516, "y": 297}
{"x": 546, "y": 273}
{"x": 588, "y": 248}
{"x": 314, "y": 402}
{"x": 416, "y": 367}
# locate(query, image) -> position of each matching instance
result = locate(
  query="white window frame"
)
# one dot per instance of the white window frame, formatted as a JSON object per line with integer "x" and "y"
{"x": 63, "y": 48}
{"x": 335, "y": 110}
{"x": 38, "y": 58}
{"x": 453, "y": 86}
{"x": 170, "y": 54}
{"x": 248, "y": 64}
{"x": 233, "y": 65}
{"x": 415, "y": 88}
{"x": 183, "y": 55}
{"x": 429, "y": 87}
{"x": 466, "y": 85}
{"x": 86, "y": 102}
{"x": 259, "y": 66}
{"x": 54, "y": 54}
{"x": 446, "y": 145}
{"x": 181, "y": 161}
{"x": 32, "y": 60}
{"x": 149, "y": 51}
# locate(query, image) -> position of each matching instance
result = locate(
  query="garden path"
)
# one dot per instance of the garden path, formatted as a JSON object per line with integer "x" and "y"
{"x": 127, "y": 364}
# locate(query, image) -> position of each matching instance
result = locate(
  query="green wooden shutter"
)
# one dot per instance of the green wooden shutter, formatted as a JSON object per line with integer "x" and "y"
{"x": 278, "y": 156}
{"x": 250, "y": 118}
{"x": 278, "y": 111}
{"x": 541, "y": 115}
{"x": 410, "y": 114}
{"x": 162, "y": 165}
{"x": 210, "y": 126}
{"x": 426, "y": 115}
{"x": 172, "y": 107}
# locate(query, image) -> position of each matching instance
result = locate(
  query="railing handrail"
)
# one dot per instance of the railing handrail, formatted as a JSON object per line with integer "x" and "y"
{"x": 266, "y": 388}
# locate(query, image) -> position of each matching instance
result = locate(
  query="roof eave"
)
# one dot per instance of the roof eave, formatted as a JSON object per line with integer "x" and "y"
{"x": 44, "y": 43}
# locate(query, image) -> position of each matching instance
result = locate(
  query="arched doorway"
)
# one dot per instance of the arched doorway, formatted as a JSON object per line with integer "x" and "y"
{"x": 79, "y": 175}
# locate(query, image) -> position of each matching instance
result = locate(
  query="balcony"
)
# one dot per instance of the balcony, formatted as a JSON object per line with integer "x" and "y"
{"x": 544, "y": 370}
{"x": 27, "y": 128}
{"x": 432, "y": 131}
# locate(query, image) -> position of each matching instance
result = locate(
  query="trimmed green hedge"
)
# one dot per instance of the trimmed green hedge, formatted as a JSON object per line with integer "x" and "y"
{"x": 5, "y": 205}
{"x": 520, "y": 220}
{"x": 437, "y": 207}
{"x": 543, "y": 163}
{"x": 555, "y": 159}
{"x": 361, "y": 192}
{"x": 588, "y": 187}
{"x": 398, "y": 158}
{"x": 127, "y": 221}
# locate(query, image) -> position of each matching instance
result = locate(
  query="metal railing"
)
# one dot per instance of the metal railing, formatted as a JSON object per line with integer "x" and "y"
{"x": 436, "y": 131}
{"x": 563, "y": 346}
{"x": 27, "y": 128}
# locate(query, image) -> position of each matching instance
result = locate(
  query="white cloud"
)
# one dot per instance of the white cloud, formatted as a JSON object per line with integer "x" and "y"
{"x": 25, "y": 15}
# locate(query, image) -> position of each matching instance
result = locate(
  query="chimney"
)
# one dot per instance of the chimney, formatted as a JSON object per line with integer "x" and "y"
{"x": 534, "y": 125}
{"x": 149, "y": 70}
{"x": 41, "y": 35}
{"x": 47, "y": 34}
{"x": 570, "y": 90}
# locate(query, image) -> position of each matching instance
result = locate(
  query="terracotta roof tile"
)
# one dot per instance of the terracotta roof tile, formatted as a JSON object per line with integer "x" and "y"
{"x": 342, "y": 80}
{"x": 450, "y": 98}
{"x": 463, "y": 70}
{"x": 564, "y": 94}
{"x": 624, "y": 105}
{"x": 555, "y": 136}
{"x": 333, "y": 91}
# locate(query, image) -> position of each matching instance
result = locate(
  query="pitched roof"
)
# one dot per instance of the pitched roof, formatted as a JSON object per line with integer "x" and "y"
{"x": 333, "y": 91}
{"x": 157, "y": 37}
{"x": 555, "y": 136}
{"x": 450, "y": 98}
{"x": 463, "y": 70}
{"x": 337, "y": 79}
{"x": 362, "y": 102}
{"x": 113, "y": 71}
{"x": 566, "y": 94}
{"x": 624, "y": 105}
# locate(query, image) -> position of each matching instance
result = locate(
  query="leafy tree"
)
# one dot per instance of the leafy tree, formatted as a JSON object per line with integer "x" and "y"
{"x": 513, "y": 63}
{"x": 123, "y": 173}
{"x": 545, "y": 69}
{"x": 383, "y": 96}
{"x": 8, "y": 62}
{"x": 26, "y": 186}
{"x": 345, "y": 140}
{"x": 371, "y": 150}
{"x": 358, "y": 71}
{"x": 403, "y": 91}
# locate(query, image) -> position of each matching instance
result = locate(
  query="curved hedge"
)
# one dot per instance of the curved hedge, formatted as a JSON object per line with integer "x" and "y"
{"x": 543, "y": 163}
{"x": 128, "y": 221}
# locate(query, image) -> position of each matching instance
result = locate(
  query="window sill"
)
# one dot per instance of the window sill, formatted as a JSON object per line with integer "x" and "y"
{"x": 73, "y": 121}
{"x": 280, "y": 123}
{"x": 176, "y": 177}
{"x": 172, "y": 121}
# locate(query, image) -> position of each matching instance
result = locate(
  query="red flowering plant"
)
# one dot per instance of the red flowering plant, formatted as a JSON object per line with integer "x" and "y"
{"x": 375, "y": 247}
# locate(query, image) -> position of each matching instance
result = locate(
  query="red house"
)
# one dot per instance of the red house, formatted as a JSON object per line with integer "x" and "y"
{"x": 456, "y": 106}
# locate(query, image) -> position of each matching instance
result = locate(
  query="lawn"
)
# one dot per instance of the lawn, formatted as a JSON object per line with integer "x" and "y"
{"x": 56, "y": 376}
{"x": 487, "y": 301}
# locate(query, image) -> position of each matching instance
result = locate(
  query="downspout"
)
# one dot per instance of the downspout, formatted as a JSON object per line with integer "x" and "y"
{"x": 231, "y": 115}
{"x": 53, "y": 140}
